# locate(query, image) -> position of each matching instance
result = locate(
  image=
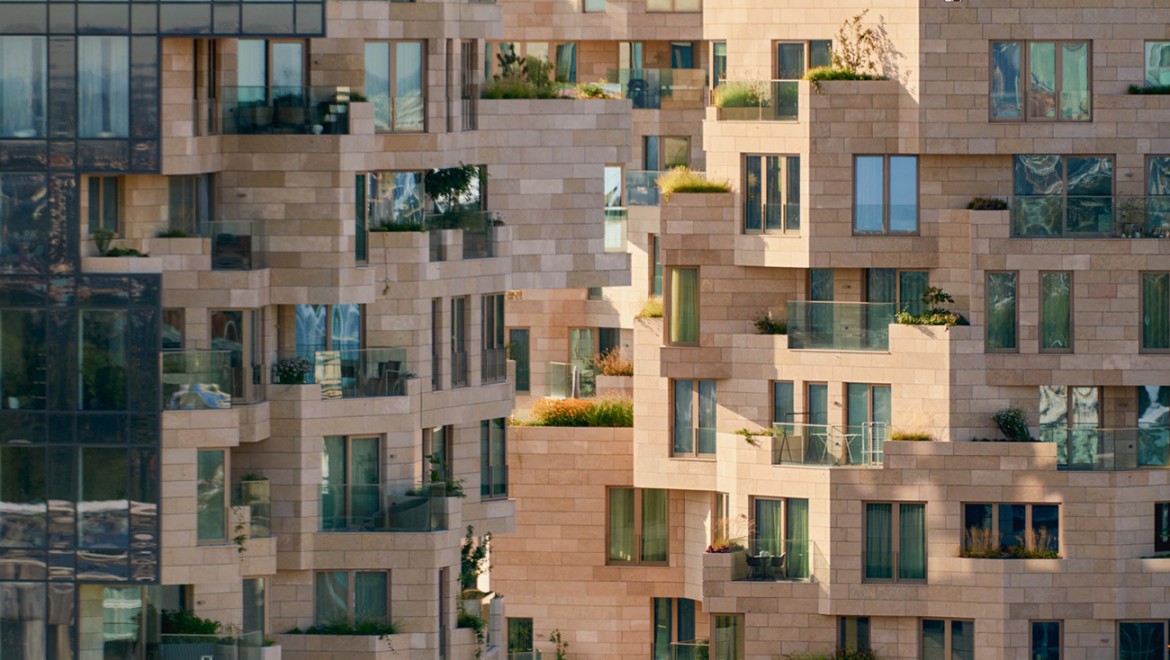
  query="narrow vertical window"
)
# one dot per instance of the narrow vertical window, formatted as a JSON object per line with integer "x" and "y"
{"x": 1001, "y": 312}
{"x": 103, "y": 87}
{"x": 211, "y": 511}
{"x": 684, "y": 306}
{"x": 518, "y": 347}
{"x": 23, "y": 86}
{"x": 1056, "y": 312}
{"x": 1155, "y": 311}
{"x": 103, "y": 204}
{"x": 693, "y": 423}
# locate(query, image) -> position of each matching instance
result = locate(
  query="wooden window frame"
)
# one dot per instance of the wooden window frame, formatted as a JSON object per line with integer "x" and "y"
{"x": 886, "y": 231}
{"x": 639, "y": 519}
{"x": 1025, "y": 73}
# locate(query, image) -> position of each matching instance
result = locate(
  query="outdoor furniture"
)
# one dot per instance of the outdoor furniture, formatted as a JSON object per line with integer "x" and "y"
{"x": 778, "y": 566}
{"x": 755, "y": 567}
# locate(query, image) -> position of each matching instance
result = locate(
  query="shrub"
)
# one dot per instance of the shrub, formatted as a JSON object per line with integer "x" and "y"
{"x": 611, "y": 412}
{"x": 911, "y": 436}
{"x": 1152, "y": 89}
{"x": 987, "y": 204}
{"x": 766, "y": 325}
{"x": 560, "y": 412}
{"x": 399, "y": 226}
{"x": 686, "y": 180}
{"x": 172, "y": 233}
{"x": 932, "y": 298}
{"x": 822, "y": 73}
{"x": 612, "y": 363}
{"x": 740, "y": 94}
{"x": 981, "y": 543}
{"x": 523, "y": 78}
{"x": 839, "y": 654}
{"x": 1012, "y": 424}
{"x": 1034, "y": 545}
{"x": 187, "y": 622}
{"x": 592, "y": 90}
{"x": 342, "y": 627}
{"x": 292, "y": 371}
{"x": 651, "y": 309}
{"x": 102, "y": 238}
{"x": 124, "y": 252}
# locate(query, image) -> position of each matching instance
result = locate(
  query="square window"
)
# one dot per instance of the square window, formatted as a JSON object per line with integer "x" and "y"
{"x": 693, "y": 418}
{"x": 885, "y": 194}
{"x": 1041, "y": 81}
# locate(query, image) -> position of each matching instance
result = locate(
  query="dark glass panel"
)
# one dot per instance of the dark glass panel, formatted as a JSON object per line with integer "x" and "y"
{"x": 62, "y": 564}
{"x": 22, "y": 619}
{"x": 144, "y": 19}
{"x": 144, "y": 430}
{"x": 61, "y": 428}
{"x": 24, "y": 18}
{"x": 144, "y": 153}
{"x": 16, "y": 291}
{"x": 62, "y": 291}
{"x": 310, "y": 19}
{"x": 227, "y": 18}
{"x": 23, "y": 516}
{"x": 63, "y": 18}
{"x": 101, "y": 429}
{"x": 61, "y": 365}
{"x": 22, "y": 359}
{"x": 104, "y": 507}
{"x": 265, "y": 18}
{"x": 1089, "y": 175}
{"x": 64, "y": 224}
{"x": 1039, "y": 175}
{"x": 144, "y": 81}
{"x": 61, "y": 491}
{"x": 62, "y": 90}
{"x": 23, "y": 224}
{"x": 23, "y": 155}
{"x": 1012, "y": 518}
{"x": 59, "y": 637}
{"x": 103, "y": 360}
{"x": 144, "y": 566}
{"x": 103, "y": 18}
{"x": 144, "y": 290}
{"x": 62, "y": 153}
{"x": 103, "y": 155}
{"x": 22, "y": 564}
{"x": 144, "y": 360}
{"x": 103, "y": 291}
{"x": 144, "y": 498}
{"x": 19, "y": 428}
{"x": 103, "y": 565}
{"x": 184, "y": 19}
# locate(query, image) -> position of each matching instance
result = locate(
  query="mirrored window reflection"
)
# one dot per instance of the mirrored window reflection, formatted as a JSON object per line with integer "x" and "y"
{"x": 22, "y": 618}
{"x": 394, "y": 85}
{"x": 23, "y": 82}
{"x": 22, "y": 359}
{"x": 102, "y": 361}
{"x": 103, "y": 87}
{"x": 211, "y": 511}
{"x": 103, "y": 510}
{"x": 22, "y": 494}
{"x": 24, "y": 221}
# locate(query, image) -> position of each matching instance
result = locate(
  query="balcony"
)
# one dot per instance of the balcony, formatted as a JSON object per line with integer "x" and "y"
{"x": 379, "y": 508}
{"x": 285, "y": 110}
{"x": 695, "y": 649}
{"x": 773, "y": 559}
{"x": 235, "y": 245}
{"x": 616, "y": 223}
{"x": 1056, "y": 216}
{"x": 494, "y": 365}
{"x": 652, "y": 89}
{"x": 223, "y": 645}
{"x": 840, "y": 326}
{"x": 642, "y": 187}
{"x": 1109, "y": 449}
{"x": 197, "y": 380}
{"x": 478, "y": 231}
{"x": 822, "y": 445}
{"x": 358, "y": 373}
{"x": 757, "y": 100}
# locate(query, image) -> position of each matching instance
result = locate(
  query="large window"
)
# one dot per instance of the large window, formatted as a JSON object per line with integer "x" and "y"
{"x": 674, "y": 623}
{"x": 1141, "y": 640}
{"x": 1155, "y": 312}
{"x": 944, "y": 639}
{"x": 493, "y": 453}
{"x": 867, "y": 414}
{"x": 211, "y": 512}
{"x": 104, "y": 359}
{"x": 853, "y": 633}
{"x": 639, "y": 529}
{"x": 727, "y": 638}
{"x": 885, "y": 195}
{"x": 792, "y": 56}
{"x": 781, "y": 530}
{"x": 352, "y": 597}
{"x": 683, "y": 322}
{"x": 493, "y": 362}
{"x": 1001, "y": 312}
{"x": 1040, "y": 81}
{"x": 895, "y": 541}
{"x": 191, "y": 203}
{"x": 1056, "y": 312}
{"x": 1011, "y": 530}
{"x": 23, "y": 84}
{"x": 693, "y": 418}
{"x": 563, "y": 57}
{"x": 351, "y": 469}
{"x": 1062, "y": 195}
{"x": 1046, "y": 640}
{"x": 22, "y": 491}
{"x": 103, "y": 87}
{"x": 1157, "y": 58}
{"x": 771, "y": 194}
{"x": 395, "y": 85}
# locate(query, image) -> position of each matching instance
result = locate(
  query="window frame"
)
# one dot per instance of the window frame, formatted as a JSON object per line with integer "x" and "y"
{"x": 788, "y": 225}
{"x": 806, "y": 54}
{"x": 460, "y": 320}
{"x": 1064, "y": 197}
{"x": 1025, "y": 70}
{"x": 639, "y": 525}
{"x": 862, "y": 637}
{"x": 346, "y": 484}
{"x": 38, "y": 82}
{"x": 1161, "y": 622}
{"x": 714, "y": 65}
{"x": 895, "y": 543}
{"x": 657, "y": 274}
{"x": 351, "y": 593}
{"x": 996, "y": 522}
{"x": 886, "y": 231}
{"x": 695, "y": 427}
{"x": 1033, "y": 654}
{"x": 252, "y": 332}
{"x": 948, "y": 630}
{"x": 1071, "y": 348}
{"x": 670, "y": 306}
{"x": 392, "y": 83}
{"x": 225, "y": 467}
{"x": 493, "y": 336}
{"x": 1161, "y": 526}
{"x": 674, "y": 8}
{"x": 1145, "y": 60}
{"x": 490, "y": 489}
{"x": 98, "y": 184}
{"x": 784, "y": 540}
{"x": 987, "y": 312}
{"x": 1142, "y": 345}
{"x": 661, "y": 165}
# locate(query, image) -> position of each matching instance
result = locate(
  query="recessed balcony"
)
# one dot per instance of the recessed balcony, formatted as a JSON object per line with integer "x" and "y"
{"x": 381, "y": 508}
{"x": 839, "y": 326}
{"x": 350, "y": 374}
{"x": 284, "y": 110}
{"x": 824, "y": 445}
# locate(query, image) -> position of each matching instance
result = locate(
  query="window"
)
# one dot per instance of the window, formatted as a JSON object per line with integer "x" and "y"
{"x": 674, "y": 623}
{"x": 438, "y": 454}
{"x": 904, "y": 288}
{"x": 436, "y": 349}
{"x": 352, "y": 597}
{"x": 590, "y": 6}
{"x": 693, "y": 421}
{"x": 1155, "y": 312}
{"x": 518, "y": 347}
{"x": 1157, "y": 216}
{"x": 853, "y": 633}
{"x": 23, "y": 492}
{"x": 792, "y": 55}
{"x": 783, "y": 410}
{"x": 662, "y": 152}
{"x": 781, "y": 530}
{"x": 394, "y": 85}
{"x": 351, "y": 469}
{"x": 519, "y": 635}
{"x": 720, "y": 524}
{"x": 1062, "y": 195}
{"x": 23, "y": 86}
{"x": 638, "y": 529}
{"x": 103, "y": 87}
{"x": 493, "y": 453}
{"x": 683, "y": 321}
{"x": 1040, "y": 81}
{"x": 771, "y": 194}
{"x": 459, "y": 342}
{"x": 867, "y": 415}
{"x": 1011, "y": 530}
{"x": 885, "y": 194}
{"x": 948, "y": 639}
{"x": 103, "y": 204}
{"x": 493, "y": 364}
{"x": 895, "y": 541}
{"x": 1141, "y": 640}
{"x": 255, "y": 619}
{"x": 191, "y": 203}
{"x": 104, "y": 359}
{"x": 718, "y": 62}
{"x": 563, "y": 56}
{"x": 211, "y": 496}
{"x": 271, "y": 72}
{"x": 673, "y": 5}
{"x": 1001, "y": 312}
{"x": 1157, "y": 63}
{"x": 1056, "y": 312}
{"x": 655, "y": 267}
{"x": 593, "y": 293}
{"x": 1046, "y": 640}
{"x": 1162, "y": 527}
{"x": 727, "y": 636}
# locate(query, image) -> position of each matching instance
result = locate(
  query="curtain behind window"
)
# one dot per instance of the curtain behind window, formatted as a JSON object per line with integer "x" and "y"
{"x": 796, "y": 532}
{"x": 655, "y": 531}
{"x": 684, "y": 306}
{"x": 683, "y": 427}
{"x": 103, "y": 86}
{"x": 621, "y": 524}
{"x": 879, "y": 542}
{"x": 22, "y": 86}
{"x": 912, "y": 542}
{"x": 768, "y": 532}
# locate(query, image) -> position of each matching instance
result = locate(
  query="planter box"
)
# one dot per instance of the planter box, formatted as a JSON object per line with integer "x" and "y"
{"x": 615, "y": 385}
{"x": 724, "y": 566}
{"x": 270, "y": 652}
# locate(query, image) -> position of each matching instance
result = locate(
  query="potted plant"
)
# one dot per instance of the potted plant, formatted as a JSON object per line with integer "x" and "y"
{"x": 292, "y": 370}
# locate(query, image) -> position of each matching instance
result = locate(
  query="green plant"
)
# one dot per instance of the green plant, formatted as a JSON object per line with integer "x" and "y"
{"x": 857, "y": 48}
{"x": 292, "y": 370}
{"x": 651, "y": 309}
{"x": 1151, "y": 89}
{"x": 595, "y": 90}
{"x": 980, "y": 543}
{"x": 172, "y": 233}
{"x": 766, "y": 325}
{"x": 932, "y": 298}
{"x": 611, "y": 412}
{"x": 725, "y": 539}
{"x": 839, "y": 654}
{"x": 399, "y": 226}
{"x": 240, "y": 529}
{"x": 753, "y": 437}
{"x": 1034, "y": 545}
{"x": 740, "y": 94}
{"x": 187, "y": 622}
{"x": 476, "y": 623}
{"x": 1012, "y": 424}
{"x": 987, "y": 204}
{"x": 370, "y": 627}
{"x": 560, "y": 412}
{"x": 124, "y": 252}
{"x": 561, "y": 646}
{"x": 612, "y": 363}
{"x": 252, "y": 476}
{"x": 102, "y": 238}
{"x": 473, "y": 557}
{"x": 450, "y": 185}
{"x": 686, "y": 180}
{"x": 451, "y": 487}
{"x": 522, "y": 78}
{"x": 910, "y": 436}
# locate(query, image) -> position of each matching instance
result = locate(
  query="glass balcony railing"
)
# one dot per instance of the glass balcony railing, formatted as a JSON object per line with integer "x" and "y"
{"x": 823, "y": 445}
{"x": 257, "y": 496}
{"x": 1109, "y": 449}
{"x": 773, "y": 558}
{"x": 615, "y": 229}
{"x": 494, "y": 365}
{"x": 357, "y": 374}
{"x": 695, "y": 649}
{"x": 642, "y": 187}
{"x": 284, "y": 110}
{"x": 379, "y": 508}
{"x": 478, "y": 232}
{"x": 657, "y": 88}
{"x": 235, "y": 245}
{"x": 197, "y": 380}
{"x": 757, "y": 100}
{"x": 525, "y": 655}
{"x": 843, "y": 326}
{"x": 1057, "y": 216}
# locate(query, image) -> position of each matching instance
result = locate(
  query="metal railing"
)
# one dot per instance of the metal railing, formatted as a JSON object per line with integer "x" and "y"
{"x": 494, "y": 365}
{"x": 657, "y": 88}
{"x": 845, "y": 326}
{"x": 236, "y": 244}
{"x": 1079, "y": 448}
{"x": 278, "y": 109}
{"x": 825, "y": 445}
{"x": 642, "y": 187}
{"x": 757, "y": 100}
{"x": 379, "y": 508}
{"x": 257, "y": 496}
{"x": 616, "y": 223}
{"x": 1058, "y": 216}
{"x": 358, "y": 373}
{"x": 197, "y": 379}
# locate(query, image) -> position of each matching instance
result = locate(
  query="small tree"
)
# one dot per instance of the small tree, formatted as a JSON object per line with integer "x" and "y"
{"x": 857, "y": 48}
{"x": 472, "y": 559}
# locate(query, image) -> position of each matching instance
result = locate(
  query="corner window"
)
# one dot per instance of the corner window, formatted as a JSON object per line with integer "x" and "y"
{"x": 895, "y": 541}
{"x": 1155, "y": 312}
{"x": 211, "y": 507}
{"x": 1001, "y": 312}
{"x": 1020, "y": 531}
{"x": 493, "y": 452}
{"x": 103, "y": 87}
{"x": 103, "y": 204}
{"x": 352, "y": 597}
{"x": 693, "y": 418}
{"x": 1046, "y": 640}
{"x": 781, "y": 532}
{"x": 23, "y": 86}
{"x": 395, "y": 85}
{"x": 1040, "y": 81}
{"x": 945, "y": 639}
{"x": 683, "y": 320}
{"x": 1056, "y": 312}
{"x": 638, "y": 526}
{"x": 771, "y": 194}
{"x": 1062, "y": 195}
{"x": 885, "y": 195}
